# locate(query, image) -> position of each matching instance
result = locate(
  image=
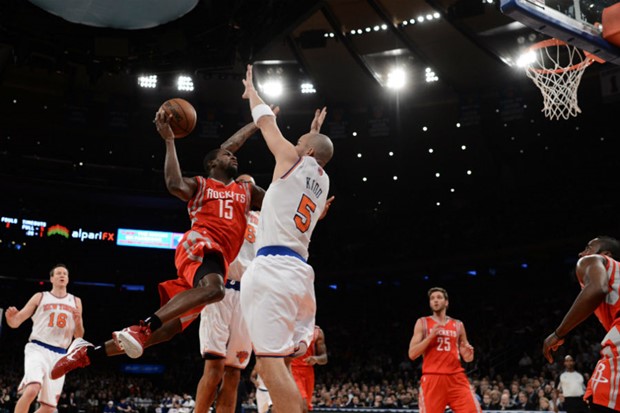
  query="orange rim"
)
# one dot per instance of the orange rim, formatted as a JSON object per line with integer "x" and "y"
{"x": 589, "y": 57}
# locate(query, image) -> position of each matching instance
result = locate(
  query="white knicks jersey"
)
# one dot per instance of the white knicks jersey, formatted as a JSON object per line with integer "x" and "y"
{"x": 53, "y": 320}
{"x": 292, "y": 206}
{"x": 248, "y": 251}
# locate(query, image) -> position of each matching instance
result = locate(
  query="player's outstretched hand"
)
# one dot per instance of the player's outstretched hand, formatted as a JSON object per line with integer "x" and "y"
{"x": 317, "y": 122}
{"x": 162, "y": 123}
{"x": 551, "y": 344}
{"x": 248, "y": 82}
{"x": 10, "y": 313}
{"x": 328, "y": 203}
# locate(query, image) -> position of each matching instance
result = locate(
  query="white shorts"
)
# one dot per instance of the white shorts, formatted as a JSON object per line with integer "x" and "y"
{"x": 278, "y": 303}
{"x": 38, "y": 363}
{"x": 223, "y": 331}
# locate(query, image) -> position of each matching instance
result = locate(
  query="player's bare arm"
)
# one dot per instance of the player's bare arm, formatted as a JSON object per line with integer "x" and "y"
{"x": 179, "y": 186}
{"x": 77, "y": 319}
{"x": 283, "y": 150}
{"x": 320, "y": 351}
{"x": 465, "y": 348}
{"x": 591, "y": 271}
{"x": 418, "y": 342}
{"x": 15, "y": 317}
{"x": 236, "y": 141}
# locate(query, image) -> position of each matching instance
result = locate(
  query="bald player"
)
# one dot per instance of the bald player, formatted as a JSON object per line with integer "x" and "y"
{"x": 277, "y": 298}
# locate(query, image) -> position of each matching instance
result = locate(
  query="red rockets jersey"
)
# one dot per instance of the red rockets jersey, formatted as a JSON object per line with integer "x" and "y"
{"x": 220, "y": 210}
{"x": 608, "y": 311}
{"x": 442, "y": 354}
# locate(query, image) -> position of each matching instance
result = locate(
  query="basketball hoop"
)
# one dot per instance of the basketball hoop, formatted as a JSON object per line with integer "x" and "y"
{"x": 556, "y": 69}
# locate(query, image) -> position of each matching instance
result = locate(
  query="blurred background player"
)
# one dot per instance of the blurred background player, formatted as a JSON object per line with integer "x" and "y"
{"x": 303, "y": 367}
{"x": 443, "y": 342}
{"x": 277, "y": 298}
{"x": 597, "y": 272}
{"x": 56, "y": 320}
{"x": 224, "y": 339}
{"x": 263, "y": 400}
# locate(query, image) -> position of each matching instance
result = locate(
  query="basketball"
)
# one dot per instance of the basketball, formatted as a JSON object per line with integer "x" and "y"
{"x": 183, "y": 114}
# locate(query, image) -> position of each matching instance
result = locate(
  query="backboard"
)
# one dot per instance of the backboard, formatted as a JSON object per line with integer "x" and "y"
{"x": 572, "y": 21}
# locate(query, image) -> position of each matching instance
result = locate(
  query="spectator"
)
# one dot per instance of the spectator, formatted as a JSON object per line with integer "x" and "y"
{"x": 109, "y": 407}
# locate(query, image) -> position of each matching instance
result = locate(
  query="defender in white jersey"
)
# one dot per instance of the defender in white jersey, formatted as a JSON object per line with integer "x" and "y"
{"x": 277, "y": 298}
{"x": 57, "y": 319}
{"x": 225, "y": 342}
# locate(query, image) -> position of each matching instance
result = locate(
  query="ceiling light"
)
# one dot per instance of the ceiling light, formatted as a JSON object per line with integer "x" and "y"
{"x": 526, "y": 58}
{"x": 307, "y": 87}
{"x": 396, "y": 79}
{"x": 272, "y": 87}
{"x": 149, "y": 81}
{"x": 185, "y": 83}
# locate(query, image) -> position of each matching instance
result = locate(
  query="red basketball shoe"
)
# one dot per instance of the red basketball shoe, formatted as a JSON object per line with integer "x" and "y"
{"x": 132, "y": 339}
{"x": 76, "y": 357}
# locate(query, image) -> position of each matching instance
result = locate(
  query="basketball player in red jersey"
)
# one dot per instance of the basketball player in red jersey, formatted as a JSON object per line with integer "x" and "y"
{"x": 443, "y": 342}
{"x": 303, "y": 367}
{"x": 217, "y": 207}
{"x": 598, "y": 273}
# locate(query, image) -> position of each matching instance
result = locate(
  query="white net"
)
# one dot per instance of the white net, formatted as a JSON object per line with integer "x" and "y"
{"x": 556, "y": 69}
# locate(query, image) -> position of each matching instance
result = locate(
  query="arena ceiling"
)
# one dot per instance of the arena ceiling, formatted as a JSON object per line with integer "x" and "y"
{"x": 344, "y": 47}
{"x": 417, "y": 187}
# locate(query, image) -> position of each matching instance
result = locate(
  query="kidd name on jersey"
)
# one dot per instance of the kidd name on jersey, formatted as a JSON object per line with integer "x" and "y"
{"x": 313, "y": 186}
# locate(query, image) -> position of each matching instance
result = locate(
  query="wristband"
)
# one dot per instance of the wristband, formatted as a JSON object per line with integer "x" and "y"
{"x": 261, "y": 110}
{"x": 557, "y": 335}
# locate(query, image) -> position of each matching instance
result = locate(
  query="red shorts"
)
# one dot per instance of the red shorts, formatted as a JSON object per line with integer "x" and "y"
{"x": 169, "y": 289}
{"x": 304, "y": 377}
{"x": 440, "y": 390}
{"x": 604, "y": 384}
{"x": 187, "y": 258}
{"x": 191, "y": 251}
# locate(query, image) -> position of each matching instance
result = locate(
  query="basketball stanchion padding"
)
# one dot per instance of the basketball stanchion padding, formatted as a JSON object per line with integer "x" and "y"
{"x": 611, "y": 24}
{"x": 556, "y": 69}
